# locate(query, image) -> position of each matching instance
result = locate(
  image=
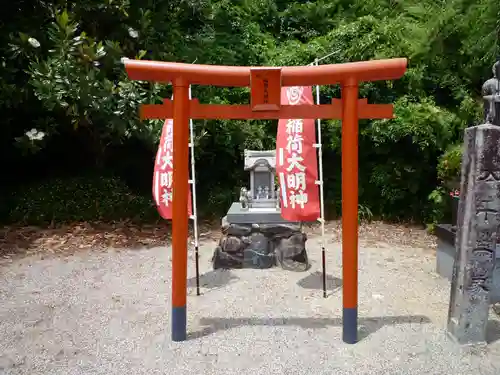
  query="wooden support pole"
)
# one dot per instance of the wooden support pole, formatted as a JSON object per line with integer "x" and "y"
{"x": 180, "y": 217}
{"x": 350, "y": 211}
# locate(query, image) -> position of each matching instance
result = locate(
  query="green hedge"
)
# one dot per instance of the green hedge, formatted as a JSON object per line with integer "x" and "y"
{"x": 72, "y": 199}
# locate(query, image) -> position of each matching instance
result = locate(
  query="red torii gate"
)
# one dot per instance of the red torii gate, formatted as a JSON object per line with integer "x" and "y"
{"x": 265, "y": 84}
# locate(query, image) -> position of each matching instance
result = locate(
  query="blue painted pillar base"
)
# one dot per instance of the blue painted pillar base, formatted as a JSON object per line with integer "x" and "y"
{"x": 179, "y": 323}
{"x": 350, "y": 325}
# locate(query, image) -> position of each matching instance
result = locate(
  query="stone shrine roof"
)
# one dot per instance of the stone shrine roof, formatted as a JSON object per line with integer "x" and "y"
{"x": 255, "y": 158}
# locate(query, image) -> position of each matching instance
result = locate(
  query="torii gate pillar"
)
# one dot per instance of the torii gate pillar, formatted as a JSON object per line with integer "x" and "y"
{"x": 265, "y": 86}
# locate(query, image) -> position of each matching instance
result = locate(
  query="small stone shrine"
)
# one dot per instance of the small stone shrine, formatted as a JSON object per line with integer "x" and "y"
{"x": 254, "y": 235}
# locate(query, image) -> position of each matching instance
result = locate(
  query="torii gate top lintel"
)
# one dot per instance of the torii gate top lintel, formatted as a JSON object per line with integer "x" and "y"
{"x": 239, "y": 76}
{"x": 266, "y": 84}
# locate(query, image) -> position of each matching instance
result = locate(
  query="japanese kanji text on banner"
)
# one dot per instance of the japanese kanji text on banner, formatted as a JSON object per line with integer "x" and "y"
{"x": 296, "y": 165}
{"x": 163, "y": 172}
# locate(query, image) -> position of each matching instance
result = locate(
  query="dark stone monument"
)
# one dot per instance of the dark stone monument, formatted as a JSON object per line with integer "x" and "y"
{"x": 476, "y": 235}
{"x": 491, "y": 97}
{"x": 446, "y": 233}
{"x": 254, "y": 235}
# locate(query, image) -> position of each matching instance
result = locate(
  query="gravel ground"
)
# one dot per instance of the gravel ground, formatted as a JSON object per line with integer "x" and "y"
{"x": 108, "y": 313}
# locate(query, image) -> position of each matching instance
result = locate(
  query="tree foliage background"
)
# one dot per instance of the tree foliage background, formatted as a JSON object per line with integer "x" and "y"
{"x": 73, "y": 147}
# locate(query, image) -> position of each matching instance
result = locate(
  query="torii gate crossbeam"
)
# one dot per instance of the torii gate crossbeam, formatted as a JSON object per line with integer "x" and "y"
{"x": 265, "y": 84}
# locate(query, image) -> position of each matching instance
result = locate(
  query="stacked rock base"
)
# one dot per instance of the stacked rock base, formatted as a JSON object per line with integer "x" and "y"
{"x": 261, "y": 246}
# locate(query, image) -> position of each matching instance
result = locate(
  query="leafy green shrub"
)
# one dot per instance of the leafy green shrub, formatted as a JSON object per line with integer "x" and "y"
{"x": 78, "y": 199}
{"x": 64, "y": 65}
{"x": 398, "y": 158}
{"x": 364, "y": 213}
{"x": 448, "y": 170}
{"x": 439, "y": 207}
{"x": 449, "y": 166}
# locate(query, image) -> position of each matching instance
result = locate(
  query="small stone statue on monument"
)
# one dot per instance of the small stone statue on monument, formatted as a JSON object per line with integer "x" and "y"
{"x": 260, "y": 194}
{"x": 491, "y": 97}
{"x": 266, "y": 192}
{"x": 244, "y": 198}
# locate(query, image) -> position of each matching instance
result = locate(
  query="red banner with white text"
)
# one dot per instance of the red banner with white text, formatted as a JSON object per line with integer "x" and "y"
{"x": 163, "y": 173}
{"x": 296, "y": 160}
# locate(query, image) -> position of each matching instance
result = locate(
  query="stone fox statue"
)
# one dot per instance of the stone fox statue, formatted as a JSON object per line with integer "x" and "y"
{"x": 245, "y": 197}
{"x": 491, "y": 97}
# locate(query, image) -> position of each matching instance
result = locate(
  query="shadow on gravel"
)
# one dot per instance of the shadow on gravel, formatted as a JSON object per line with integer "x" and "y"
{"x": 492, "y": 331}
{"x": 315, "y": 281}
{"x": 213, "y": 279}
{"x": 367, "y": 326}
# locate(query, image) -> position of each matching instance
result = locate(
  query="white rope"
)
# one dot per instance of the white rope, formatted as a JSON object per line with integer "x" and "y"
{"x": 192, "y": 181}
{"x": 320, "y": 182}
